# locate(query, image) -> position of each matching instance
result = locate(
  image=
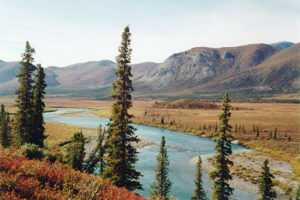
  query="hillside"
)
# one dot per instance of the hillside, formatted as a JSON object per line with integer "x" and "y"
{"x": 252, "y": 70}
{"x": 21, "y": 178}
{"x": 71, "y": 79}
{"x": 245, "y": 71}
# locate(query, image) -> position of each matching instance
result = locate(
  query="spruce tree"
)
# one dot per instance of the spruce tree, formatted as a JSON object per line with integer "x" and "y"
{"x": 221, "y": 175}
{"x": 162, "y": 185}
{"x": 266, "y": 184}
{"x": 39, "y": 107}
{"x": 199, "y": 193}
{"x": 5, "y": 137}
{"x": 96, "y": 157}
{"x": 24, "y": 115}
{"x": 275, "y": 133}
{"x": 2, "y": 114}
{"x": 121, "y": 155}
{"x": 75, "y": 151}
{"x": 101, "y": 150}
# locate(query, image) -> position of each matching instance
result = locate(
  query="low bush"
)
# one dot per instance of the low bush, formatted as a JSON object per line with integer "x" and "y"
{"x": 21, "y": 178}
{"x": 32, "y": 151}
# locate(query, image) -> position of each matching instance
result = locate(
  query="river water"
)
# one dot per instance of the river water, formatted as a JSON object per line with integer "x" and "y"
{"x": 180, "y": 147}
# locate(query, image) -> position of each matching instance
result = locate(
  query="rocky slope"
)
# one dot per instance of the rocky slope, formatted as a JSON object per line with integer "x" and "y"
{"x": 253, "y": 68}
{"x": 250, "y": 70}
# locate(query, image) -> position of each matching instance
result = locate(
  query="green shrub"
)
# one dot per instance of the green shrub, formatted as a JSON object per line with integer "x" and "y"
{"x": 32, "y": 151}
{"x": 50, "y": 157}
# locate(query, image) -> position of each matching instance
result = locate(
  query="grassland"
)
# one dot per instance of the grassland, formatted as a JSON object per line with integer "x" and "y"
{"x": 267, "y": 116}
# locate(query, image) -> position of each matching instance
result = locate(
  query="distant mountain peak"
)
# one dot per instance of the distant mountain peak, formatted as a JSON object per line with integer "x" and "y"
{"x": 282, "y": 45}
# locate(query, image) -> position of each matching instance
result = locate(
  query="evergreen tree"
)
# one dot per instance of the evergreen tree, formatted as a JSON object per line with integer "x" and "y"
{"x": 2, "y": 114}
{"x": 257, "y": 132}
{"x": 121, "y": 155}
{"x": 221, "y": 175}
{"x": 24, "y": 115}
{"x": 275, "y": 133}
{"x": 162, "y": 186}
{"x": 162, "y": 120}
{"x": 266, "y": 184}
{"x": 39, "y": 107}
{"x": 75, "y": 151}
{"x": 96, "y": 157}
{"x": 199, "y": 193}
{"x": 5, "y": 129}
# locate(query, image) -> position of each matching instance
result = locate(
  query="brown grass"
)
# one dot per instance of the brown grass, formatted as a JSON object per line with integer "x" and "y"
{"x": 58, "y": 132}
{"x": 268, "y": 116}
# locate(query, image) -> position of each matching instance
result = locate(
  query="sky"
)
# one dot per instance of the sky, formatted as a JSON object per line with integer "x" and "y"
{"x": 65, "y": 32}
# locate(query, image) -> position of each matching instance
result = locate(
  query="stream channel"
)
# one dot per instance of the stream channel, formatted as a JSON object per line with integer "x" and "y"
{"x": 180, "y": 147}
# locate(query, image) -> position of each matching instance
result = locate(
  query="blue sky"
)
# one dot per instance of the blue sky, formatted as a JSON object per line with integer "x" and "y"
{"x": 64, "y": 32}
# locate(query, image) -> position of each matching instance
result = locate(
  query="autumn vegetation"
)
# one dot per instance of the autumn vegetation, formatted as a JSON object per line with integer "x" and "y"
{"x": 22, "y": 178}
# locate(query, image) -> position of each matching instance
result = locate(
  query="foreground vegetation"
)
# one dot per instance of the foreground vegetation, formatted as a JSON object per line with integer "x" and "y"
{"x": 21, "y": 178}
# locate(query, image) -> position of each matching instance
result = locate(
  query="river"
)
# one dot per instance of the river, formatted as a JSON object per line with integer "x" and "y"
{"x": 181, "y": 148}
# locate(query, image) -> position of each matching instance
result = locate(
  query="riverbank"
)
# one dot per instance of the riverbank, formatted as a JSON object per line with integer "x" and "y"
{"x": 245, "y": 176}
{"x": 92, "y": 142}
{"x": 91, "y": 133}
{"x": 247, "y": 168}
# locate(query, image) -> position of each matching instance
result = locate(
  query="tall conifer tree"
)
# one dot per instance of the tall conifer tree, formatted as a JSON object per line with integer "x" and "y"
{"x": 2, "y": 114}
{"x": 121, "y": 155}
{"x": 38, "y": 107}
{"x": 199, "y": 193}
{"x": 5, "y": 136}
{"x": 221, "y": 175}
{"x": 24, "y": 116}
{"x": 266, "y": 184}
{"x": 162, "y": 185}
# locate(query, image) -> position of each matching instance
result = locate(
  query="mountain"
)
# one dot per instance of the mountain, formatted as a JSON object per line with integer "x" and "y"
{"x": 282, "y": 45}
{"x": 142, "y": 68}
{"x": 88, "y": 75}
{"x": 246, "y": 70}
{"x": 69, "y": 79}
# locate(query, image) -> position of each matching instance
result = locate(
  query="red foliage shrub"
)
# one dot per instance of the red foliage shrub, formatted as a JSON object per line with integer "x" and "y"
{"x": 21, "y": 178}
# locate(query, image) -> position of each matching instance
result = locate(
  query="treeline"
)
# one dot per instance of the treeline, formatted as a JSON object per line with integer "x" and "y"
{"x": 185, "y": 104}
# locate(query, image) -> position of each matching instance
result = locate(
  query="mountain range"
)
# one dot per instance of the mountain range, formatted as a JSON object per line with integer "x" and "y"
{"x": 248, "y": 71}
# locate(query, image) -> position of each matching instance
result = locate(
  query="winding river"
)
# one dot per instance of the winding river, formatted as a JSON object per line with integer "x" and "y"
{"x": 181, "y": 148}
